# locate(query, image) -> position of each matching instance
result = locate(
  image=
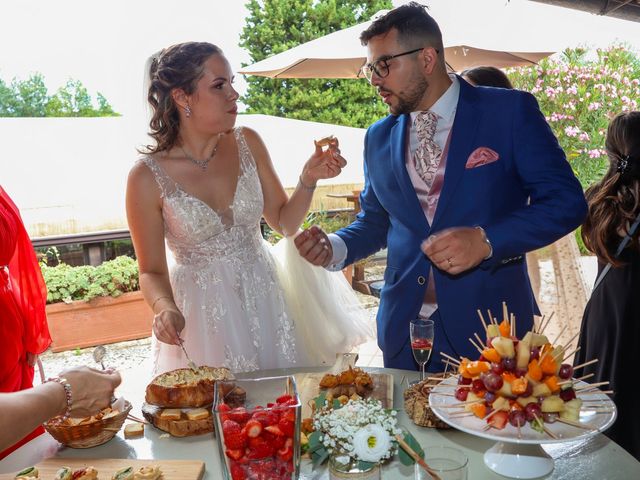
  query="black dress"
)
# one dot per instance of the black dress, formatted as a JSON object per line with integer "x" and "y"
{"x": 611, "y": 333}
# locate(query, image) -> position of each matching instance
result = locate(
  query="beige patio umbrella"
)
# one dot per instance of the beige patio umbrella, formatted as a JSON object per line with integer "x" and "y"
{"x": 340, "y": 55}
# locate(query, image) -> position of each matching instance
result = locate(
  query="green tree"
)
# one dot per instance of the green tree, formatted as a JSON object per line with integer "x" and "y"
{"x": 274, "y": 26}
{"x": 30, "y": 98}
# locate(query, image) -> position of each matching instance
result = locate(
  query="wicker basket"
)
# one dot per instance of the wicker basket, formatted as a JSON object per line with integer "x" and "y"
{"x": 88, "y": 435}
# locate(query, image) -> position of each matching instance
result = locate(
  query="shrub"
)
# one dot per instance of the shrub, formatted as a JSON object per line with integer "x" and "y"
{"x": 329, "y": 222}
{"x": 110, "y": 279}
{"x": 579, "y": 96}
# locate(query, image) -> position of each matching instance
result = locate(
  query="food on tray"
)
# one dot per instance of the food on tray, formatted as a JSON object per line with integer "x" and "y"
{"x": 134, "y": 430}
{"x": 350, "y": 384}
{"x": 517, "y": 381}
{"x": 197, "y": 414}
{"x": 64, "y": 473}
{"x": 28, "y": 473}
{"x": 151, "y": 472}
{"x": 325, "y": 141}
{"x": 259, "y": 442}
{"x": 125, "y": 473}
{"x": 103, "y": 414}
{"x": 185, "y": 387}
{"x": 88, "y": 473}
{"x": 416, "y": 404}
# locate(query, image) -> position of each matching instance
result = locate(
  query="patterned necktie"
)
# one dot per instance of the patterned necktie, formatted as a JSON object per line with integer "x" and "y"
{"x": 428, "y": 153}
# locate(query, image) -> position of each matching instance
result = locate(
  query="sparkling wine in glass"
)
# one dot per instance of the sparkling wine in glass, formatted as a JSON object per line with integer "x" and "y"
{"x": 421, "y": 334}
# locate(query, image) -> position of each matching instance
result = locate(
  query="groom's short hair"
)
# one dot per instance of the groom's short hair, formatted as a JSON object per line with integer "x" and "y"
{"x": 415, "y": 27}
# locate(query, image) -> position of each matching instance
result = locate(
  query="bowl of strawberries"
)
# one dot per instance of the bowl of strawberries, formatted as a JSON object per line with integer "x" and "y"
{"x": 259, "y": 438}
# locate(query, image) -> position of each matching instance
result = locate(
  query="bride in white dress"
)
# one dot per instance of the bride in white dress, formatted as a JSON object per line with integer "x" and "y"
{"x": 230, "y": 298}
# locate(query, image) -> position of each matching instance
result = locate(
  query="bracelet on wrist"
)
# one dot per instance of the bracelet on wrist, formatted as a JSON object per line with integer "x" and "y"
{"x": 157, "y": 300}
{"x": 305, "y": 187}
{"x": 67, "y": 393}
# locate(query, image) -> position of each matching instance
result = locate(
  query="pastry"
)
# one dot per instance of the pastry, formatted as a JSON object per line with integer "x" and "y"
{"x": 152, "y": 472}
{"x": 28, "y": 473}
{"x": 88, "y": 473}
{"x": 64, "y": 473}
{"x": 185, "y": 387}
{"x": 123, "y": 474}
{"x": 416, "y": 404}
{"x": 325, "y": 141}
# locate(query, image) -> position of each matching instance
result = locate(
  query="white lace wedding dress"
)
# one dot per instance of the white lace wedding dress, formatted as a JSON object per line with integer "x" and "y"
{"x": 247, "y": 305}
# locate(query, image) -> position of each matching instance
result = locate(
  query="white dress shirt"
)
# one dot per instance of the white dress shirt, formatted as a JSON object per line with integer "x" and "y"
{"x": 445, "y": 108}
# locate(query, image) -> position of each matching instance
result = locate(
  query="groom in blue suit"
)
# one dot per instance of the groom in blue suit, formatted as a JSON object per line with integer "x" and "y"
{"x": 460, "y": 182}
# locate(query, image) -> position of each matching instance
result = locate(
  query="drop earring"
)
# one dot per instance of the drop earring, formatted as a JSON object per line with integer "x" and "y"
{"x": 187, "y": 111}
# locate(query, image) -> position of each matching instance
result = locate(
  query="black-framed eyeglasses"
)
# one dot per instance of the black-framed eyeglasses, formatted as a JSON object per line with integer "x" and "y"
{"x": 381, "y": 66}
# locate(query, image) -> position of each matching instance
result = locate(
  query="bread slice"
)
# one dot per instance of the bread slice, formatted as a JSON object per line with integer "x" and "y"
{"x": 197, "y": 414}
{"x": 134, "y": 430}
{"x": 185, "y": 387}
{"x": 171, "y": 414}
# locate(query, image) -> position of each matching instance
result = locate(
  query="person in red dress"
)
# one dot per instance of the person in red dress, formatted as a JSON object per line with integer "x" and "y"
{"x": 23, "y": 295}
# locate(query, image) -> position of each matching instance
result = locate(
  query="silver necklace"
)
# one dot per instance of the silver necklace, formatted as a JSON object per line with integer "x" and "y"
{"x": 201, "y": 163}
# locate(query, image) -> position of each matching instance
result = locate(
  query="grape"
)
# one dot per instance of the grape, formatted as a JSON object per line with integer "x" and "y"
{"x": 566, "y": 371}
{"x": 490, "y": 397}
{"x": 535, "y": 353}
{"x": 497, "y": 368}
{"x": 567, "y": 394}
{"x": 461, "y": 394}
{"x": 549, "y": 417}
{"x": 509, "y": 364}
{"x": 482, "y": 359}
{"x": 477, "y": 386}
{"x": 493, "y": 382}
{"x": 464, "y": 381}
{"x": 520, "y": 372}
{"x": 517, "y": 418}
{"x": 532, "y": 410}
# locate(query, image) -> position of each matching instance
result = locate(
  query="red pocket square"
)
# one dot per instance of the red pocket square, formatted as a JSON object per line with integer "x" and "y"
{"x": 481, "y": 156}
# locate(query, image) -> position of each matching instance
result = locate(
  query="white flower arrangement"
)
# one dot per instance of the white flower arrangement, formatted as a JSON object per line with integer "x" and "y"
{"x": 360, "y": 431}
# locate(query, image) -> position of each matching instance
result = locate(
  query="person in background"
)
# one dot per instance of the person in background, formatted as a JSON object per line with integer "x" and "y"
{"x": 610, "y": 329}
{"x": 460, "y": 182}
{"x": 77, "y": 392}
{"x": 23, "y": 296}
{"x": 487, "y": 76}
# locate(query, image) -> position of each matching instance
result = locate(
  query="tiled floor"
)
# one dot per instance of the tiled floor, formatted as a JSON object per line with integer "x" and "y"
{"x": 369, "y": 355}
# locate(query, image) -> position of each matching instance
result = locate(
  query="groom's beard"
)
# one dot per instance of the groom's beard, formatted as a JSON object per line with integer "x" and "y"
{"x": 408, "y": 99}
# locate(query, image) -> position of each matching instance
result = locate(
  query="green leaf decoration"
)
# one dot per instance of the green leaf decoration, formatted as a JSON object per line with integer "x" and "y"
{"x": 336, "y": 404}
{"x": 320, "y": 400}
{"x": 404, "y": 457}
{"x": 362, "y": 465}
{"x": 319, "y": 457}
{"x": 314, "y": 442}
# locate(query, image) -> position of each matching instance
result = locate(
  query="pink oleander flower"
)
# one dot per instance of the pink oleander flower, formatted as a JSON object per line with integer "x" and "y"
{"x": 571, "y": 131}
{"x": 584, "y": 137}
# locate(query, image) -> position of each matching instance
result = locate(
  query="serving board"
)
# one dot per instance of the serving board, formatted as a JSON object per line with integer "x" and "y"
{"x": 171, "y": 469}
{"x": 309, "y": 388}
{"x": 178, "y": 428}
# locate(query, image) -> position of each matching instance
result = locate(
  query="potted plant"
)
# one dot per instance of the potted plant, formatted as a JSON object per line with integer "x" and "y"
{"x": 88, "y": 306}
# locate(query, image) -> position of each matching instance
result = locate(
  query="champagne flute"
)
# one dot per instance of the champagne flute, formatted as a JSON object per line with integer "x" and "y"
{"x": 421, "y": 334}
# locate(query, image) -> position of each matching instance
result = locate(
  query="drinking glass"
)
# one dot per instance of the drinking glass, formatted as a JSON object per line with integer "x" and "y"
{"x": 447, "y": 462}
{"x": 421, "y": 332}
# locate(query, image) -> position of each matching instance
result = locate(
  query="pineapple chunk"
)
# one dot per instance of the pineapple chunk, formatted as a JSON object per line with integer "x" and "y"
{"x": 524, "y": 401}
{"x": 541, "y": 390}
{"x": 493, "y": 330}
{"x": 552, "y": 403}
{"x": 504, "y": 346}
{"x": 534, "y": 339}
{"x": 501, "y": 403}
{"x": 571, "y": 410}
{"x": 505, "y": 390}
{"x": 471, "y": 399}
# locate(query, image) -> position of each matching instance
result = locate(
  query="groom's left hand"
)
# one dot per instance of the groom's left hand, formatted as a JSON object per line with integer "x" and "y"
{"x": 457, "y": 249}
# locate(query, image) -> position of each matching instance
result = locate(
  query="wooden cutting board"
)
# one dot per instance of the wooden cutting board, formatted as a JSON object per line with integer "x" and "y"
{"x": 171, "y": 469}
{"x": 309, "y": 388}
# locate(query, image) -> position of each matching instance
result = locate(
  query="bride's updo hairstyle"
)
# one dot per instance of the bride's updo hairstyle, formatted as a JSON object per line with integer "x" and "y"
{"x": 178, "y": 66}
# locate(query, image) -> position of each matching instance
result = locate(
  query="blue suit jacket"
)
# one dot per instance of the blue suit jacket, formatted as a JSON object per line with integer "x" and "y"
{"x": 495, "y": 196}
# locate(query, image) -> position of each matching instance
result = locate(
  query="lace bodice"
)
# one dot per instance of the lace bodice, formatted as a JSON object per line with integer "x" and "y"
{"x": 196, "y": 233}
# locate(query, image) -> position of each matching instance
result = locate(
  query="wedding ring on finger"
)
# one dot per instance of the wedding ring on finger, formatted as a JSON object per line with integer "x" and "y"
{"x": 450, "y": 262}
